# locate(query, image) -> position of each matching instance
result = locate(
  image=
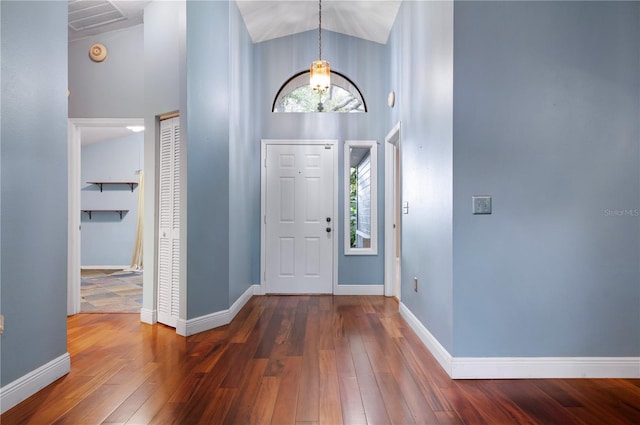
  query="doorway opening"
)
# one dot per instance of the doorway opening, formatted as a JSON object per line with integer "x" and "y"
{"x": 393, "y": 217}
{"x": 104, "y": 270}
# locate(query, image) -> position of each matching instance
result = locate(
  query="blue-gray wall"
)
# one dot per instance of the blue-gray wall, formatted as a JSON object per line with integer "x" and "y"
{"x": 108, "y": 240}
{"x": 165, "y": 86}
{"x": 546, "y": 121}
{"x": 542, "y": 114}
{"x": 33, "y": 289}
{"x": 244, "y": 162}
{"x": 223, "y": 156}
{"x": 112, "y": 88}
{"x": 421, "y": 61}
{"x": 365, "y": 63}
{"x": 208, "y": 117}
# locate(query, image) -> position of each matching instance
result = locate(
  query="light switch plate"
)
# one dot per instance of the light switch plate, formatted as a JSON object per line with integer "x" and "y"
{"x": 481, "y": 204}
{"x": 405, "y": 208}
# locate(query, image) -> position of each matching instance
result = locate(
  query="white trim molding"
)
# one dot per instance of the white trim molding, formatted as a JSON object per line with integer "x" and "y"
{"x": 433, "y": 345}
{"x": 148, "y": 316}
{"x": 358, "y": 290}
{"x": 372, "y": 146}
{"x": 545, "y": 367}
{"x": 29, "y": 384}
{"x": 127, "y": 267}
{"x": 217, "y": 319}
{"x": 522, "y": 367}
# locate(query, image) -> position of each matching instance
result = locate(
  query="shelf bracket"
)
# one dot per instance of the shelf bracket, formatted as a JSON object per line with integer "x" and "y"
{"x": 100, "y": 186}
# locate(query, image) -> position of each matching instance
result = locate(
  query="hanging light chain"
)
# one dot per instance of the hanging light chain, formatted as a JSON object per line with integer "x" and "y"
{"x": 319, "y": 29}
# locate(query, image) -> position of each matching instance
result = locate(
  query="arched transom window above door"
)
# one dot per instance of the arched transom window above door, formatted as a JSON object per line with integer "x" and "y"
{"x": 296, "y": 96}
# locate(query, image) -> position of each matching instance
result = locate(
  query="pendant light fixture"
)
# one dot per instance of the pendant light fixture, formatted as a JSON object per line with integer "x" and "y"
{"x": 320, "y": 71}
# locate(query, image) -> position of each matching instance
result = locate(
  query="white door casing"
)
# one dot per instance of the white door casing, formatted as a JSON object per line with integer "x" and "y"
{"x": 392, "y": 215}
{"x": 299, "y": 216}
{"x": 74, "y": 172}
{"x": 169, "y": 223}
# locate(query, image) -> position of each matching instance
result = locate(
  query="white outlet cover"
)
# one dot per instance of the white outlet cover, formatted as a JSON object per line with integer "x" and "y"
{"x": 481, "y": 204}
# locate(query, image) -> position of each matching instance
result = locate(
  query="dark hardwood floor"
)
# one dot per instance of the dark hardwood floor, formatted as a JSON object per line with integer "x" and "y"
{"x": 297, "y": 360}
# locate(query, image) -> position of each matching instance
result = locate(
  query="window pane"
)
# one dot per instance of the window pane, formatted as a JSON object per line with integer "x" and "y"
{"x": 296, "y": 96}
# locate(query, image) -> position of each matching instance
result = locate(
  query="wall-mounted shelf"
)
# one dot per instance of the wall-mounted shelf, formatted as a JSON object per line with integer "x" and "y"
{"x": 90, "y": 212}
{"x": 100, "y": 184}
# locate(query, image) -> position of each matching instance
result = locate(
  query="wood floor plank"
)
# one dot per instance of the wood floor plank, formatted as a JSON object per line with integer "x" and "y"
{"x": 352, "y": 406}
{"x": 344, "y": 359}
{"x": 424, "y": 377}
{"x": 128, "y": 407}
{"x": 465, "y": 408}
{"x": 242, "y": 335}
{"x": 298, "y": 330}
{"x": 219, "y": 406}
{"x": 287, "y": 397}
{"x": 262, "y": 410}
{"x": 595, "y": 403}
{"x": 540, "y": 407}
{"x": 268, "y": 340}
{"x": 308, "y": 407}
{"x": 408, "y": 388}
{"x": 372, "y": 399}
{"x": 242, "y": 353}
{"x": 288, "y": 360}
{"x": 90, "y": 409}
{"x": 492, "y": 405}
{"x": 395, "y": 403}
{"x": 330, "y": 404}
{"x": 240, "y": 410}
{"x": 167, "y": 379}
{"x": 116, "y": 391}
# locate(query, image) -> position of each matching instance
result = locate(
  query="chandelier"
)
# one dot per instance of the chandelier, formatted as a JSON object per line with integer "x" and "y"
{"x": 320, "y": 71}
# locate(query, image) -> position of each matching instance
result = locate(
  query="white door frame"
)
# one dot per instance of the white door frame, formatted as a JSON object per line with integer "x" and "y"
{"x": 74, "y": 174}
{"x": 263, "y": 204}
{"x": 391, "y": 216}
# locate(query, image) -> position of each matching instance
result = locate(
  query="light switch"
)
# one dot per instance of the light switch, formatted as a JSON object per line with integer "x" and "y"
{"x": 405, "y": 208}
{"x": 481, "y": 204}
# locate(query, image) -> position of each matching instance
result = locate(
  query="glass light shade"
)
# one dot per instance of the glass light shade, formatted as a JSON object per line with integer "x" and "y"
{"x": 320, "y": 76}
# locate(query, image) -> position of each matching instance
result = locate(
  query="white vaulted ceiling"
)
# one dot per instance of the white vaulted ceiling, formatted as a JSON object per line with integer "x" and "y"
{"x": 265, "y": 19}
{"x": 367, "y": 19}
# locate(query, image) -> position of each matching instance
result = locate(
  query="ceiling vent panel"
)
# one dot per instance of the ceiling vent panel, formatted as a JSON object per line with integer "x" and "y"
{"x": 85, "y": 14}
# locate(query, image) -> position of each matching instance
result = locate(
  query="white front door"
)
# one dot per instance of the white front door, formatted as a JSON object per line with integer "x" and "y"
{"x": 299, "y": 222}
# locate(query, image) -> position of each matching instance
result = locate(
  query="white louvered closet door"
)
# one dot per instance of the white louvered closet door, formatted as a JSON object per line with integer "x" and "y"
{"x": 169, "y": 223}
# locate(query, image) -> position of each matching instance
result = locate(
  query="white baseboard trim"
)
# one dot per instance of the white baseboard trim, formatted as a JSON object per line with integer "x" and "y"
{"x": 358, "y": 290}
{"x": 433, "y": 345}
{"x": 128, "y": 266}
{"x": 148, "y": 316}
{"x": 214, "y": 320}
{"x": 241, "y": 301}
{"x": 545, "y": 367}
{"x": 522, "y": 367}
{"x": 29, "y": 384}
